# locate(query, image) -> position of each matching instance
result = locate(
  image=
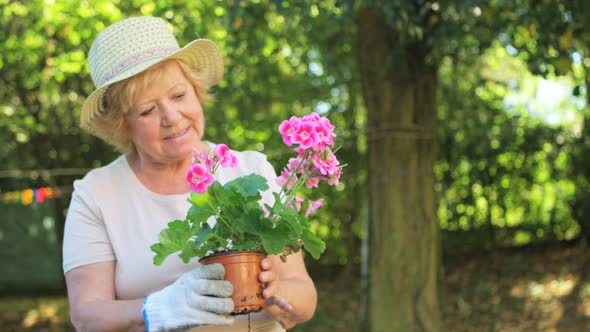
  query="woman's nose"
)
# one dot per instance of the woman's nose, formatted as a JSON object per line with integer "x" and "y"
{"x": 170, "y": 114}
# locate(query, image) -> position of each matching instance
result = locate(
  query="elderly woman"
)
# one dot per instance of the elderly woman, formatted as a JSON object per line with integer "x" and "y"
{"x": 148, "y": 103}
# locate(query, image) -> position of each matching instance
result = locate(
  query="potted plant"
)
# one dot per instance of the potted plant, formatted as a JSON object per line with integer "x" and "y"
{"x": 245, "y": 231}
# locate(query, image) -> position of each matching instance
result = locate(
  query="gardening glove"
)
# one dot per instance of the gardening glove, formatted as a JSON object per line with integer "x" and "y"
{"x": 198, "y": 297}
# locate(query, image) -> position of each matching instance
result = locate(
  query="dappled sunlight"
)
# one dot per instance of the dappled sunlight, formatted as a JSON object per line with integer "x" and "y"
{"x": 34, "y": 314}
{"x": 586, "y": 308}
{"x": 45, "y": 312}
{"x": 546, "y": 289}
{"x": 517, "y": 291}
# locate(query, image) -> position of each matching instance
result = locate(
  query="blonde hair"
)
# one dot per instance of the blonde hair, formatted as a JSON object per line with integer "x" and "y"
{"x": 111, "y": 125}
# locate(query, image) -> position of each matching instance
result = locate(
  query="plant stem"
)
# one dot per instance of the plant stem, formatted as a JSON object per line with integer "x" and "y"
{"x": 303, "y": 179}
{"x": 220, "y": 218}
{"x": 289, "y": 192}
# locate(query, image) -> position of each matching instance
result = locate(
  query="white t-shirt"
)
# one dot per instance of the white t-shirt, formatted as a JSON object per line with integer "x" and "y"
{"x": 114, "y": 217}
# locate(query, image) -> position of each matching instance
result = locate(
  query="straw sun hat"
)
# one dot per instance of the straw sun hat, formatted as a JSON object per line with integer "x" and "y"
{"x": 131, "y": 46}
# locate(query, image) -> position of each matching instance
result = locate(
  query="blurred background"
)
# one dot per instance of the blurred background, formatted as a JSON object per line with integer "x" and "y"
{"x": 482, "y": 105}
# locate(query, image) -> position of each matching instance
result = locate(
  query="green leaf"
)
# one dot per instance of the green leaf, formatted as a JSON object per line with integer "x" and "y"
{"x": 201, "y": 200}
{"x": 233, "y": 206}
{"x": 290, "y": 216}
{"x": 189, "y": 251}
{"x": 251, "y": 220}
{"x": 199, "y": 215}
{"x": 249, "y": 185}
{"x": 274, "y": 240}
{"x": 277, "y": 202}
{"x": 162, "y": 252}
{"x": 202, "y": 235}
{"x": 201, "y": 208}
{"x": 208, "y": 239}
{"x": 245, "y": 245}
{"x": 172, "y": 239}
{"x": 220, "y": 194}
{"x": 313, "y": 244}
{"x": 177, "y": 233}
{"x": 304, "y": 222}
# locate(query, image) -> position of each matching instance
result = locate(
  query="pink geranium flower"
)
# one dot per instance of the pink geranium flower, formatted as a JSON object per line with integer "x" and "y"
{"x": 205, "y": 159}
{"x": 313, "y": 206}
{"x": 296, "y": 165}
{"x": 324, "y": 132}
{"x": 326, "y": 162}
{"x": 300, "y": 152}
{"x": 305, "y": 136}
{"x": 288, "y": 128}
{"x": 312, "y": 182}
{"x": 199, "y": 178}
{"x": 297, "y": 200}
{"x": 227, "y": 159}
{"x": 311, "y": 131}
{"x": 284, "y": 177}
{"x": 334, "y": 179}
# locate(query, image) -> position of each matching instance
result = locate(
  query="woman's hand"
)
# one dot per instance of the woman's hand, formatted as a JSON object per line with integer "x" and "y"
{"x": 290, "y": 294}
{"x": 273, "y": 289}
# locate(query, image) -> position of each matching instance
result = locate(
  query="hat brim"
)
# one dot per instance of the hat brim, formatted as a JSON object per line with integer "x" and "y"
{"x": 200, "y": 55}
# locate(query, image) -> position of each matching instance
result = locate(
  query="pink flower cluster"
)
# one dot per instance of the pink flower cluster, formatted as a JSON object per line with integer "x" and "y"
{"x": 313, "y": 136}
{"x": 310, "y": 131}
{"x": 200, "y": 174}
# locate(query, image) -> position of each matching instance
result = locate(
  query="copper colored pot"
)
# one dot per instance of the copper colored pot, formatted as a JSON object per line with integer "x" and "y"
{"x": 241, "y": 269}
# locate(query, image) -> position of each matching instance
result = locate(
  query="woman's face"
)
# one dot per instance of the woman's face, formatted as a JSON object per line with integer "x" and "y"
{"x": 166, "y": 120}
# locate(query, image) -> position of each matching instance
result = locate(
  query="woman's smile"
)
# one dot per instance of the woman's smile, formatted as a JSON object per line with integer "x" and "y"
{"x": 177, "y": 135}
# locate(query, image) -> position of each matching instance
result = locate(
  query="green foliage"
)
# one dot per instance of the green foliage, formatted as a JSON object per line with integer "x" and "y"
{"x": 271, "y": 73}
{"x": 172, "y": 239}
{"x": 248, "y": 186}
{"x": 294, "y": 57}
{"x": 561, "y": 46}
{"x": 511, "y": 178}
{"x": 240, "y": 224}
{"x": 549, "y": 34}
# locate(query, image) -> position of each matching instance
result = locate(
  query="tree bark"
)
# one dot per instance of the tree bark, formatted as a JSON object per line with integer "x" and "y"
{"x": 403, "y": 263}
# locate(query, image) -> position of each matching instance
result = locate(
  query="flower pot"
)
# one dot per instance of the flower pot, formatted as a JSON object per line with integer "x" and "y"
{"x": 241, "y": 269}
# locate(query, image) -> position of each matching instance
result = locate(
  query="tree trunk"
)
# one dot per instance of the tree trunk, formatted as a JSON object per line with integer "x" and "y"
{"x": 399, "y": 88}
{"x": 355, "y": 163}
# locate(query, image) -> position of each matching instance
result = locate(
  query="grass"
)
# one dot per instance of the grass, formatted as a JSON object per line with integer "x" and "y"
{"x": 504, "y": 290}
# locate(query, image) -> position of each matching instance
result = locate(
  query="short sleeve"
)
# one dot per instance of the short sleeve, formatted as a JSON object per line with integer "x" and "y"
{"x": 86, "y": 240}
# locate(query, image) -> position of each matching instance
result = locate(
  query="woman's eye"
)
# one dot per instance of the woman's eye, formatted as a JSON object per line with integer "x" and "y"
{"x": 146, "y": 112}
{"x": 178, "y": 95}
